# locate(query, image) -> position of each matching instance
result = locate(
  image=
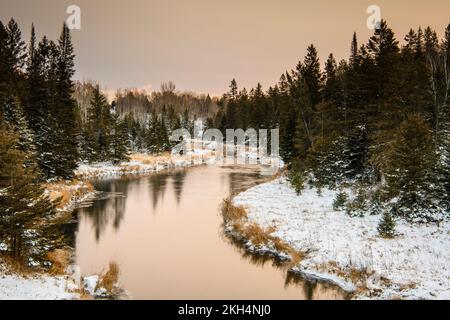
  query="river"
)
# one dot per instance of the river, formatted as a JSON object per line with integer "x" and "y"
{"x": 165, "y": 232}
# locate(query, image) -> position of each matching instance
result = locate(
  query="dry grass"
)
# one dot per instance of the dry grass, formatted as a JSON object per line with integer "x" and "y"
{"x": 110, "y": 278}
{"x": 150, "y": 159}
{"x": 60, "y": 259}
{"x": 16, "y": 267}
{"x": 232, "y": 213}
{"x": 258, "y": 235}
{"x": 237, "y": 218}
{"x": 64, "y": 192}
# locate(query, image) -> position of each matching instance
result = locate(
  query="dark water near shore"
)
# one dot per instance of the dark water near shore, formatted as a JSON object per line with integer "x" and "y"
{"x": 165, "y": 232}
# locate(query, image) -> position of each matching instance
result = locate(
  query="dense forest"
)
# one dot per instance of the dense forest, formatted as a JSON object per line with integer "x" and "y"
{"x": 379, "y": 121}
{"x": 49, "y": 124}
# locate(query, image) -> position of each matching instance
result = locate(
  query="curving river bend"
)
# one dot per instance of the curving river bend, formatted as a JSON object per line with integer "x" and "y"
{"x": 165, "y": 232}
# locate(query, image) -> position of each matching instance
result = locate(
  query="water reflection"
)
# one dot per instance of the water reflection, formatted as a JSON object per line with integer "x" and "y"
{"x": 178, "y": 180}
{"x": 179, "y": 251}
{"x": 158, "y": 184}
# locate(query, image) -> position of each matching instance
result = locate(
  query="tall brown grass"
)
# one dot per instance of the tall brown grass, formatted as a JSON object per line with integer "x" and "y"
{"x": 231, "y": 213}
{"x": 110, "y": 278}
{"x": 60, "y": 259}
{"x": 63, "y": 192}
{"x": 237, "y": 218}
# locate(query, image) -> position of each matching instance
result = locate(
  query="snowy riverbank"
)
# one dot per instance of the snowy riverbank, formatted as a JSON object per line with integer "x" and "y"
{"x": 36, "y": 286}
{"x": 141, "y": 164}
{"x": 348, "y": 251}
{"x": 40, "y": 285}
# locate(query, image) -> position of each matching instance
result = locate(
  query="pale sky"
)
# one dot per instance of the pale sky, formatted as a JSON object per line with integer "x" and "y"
{"x": 202, "y": 44}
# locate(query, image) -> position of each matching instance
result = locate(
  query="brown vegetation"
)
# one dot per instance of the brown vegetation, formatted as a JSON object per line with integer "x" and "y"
{"x": 63, "y": 192}
{"x": 110, "y": 278}
{"x": 259, "y": 236}
{"x": 60, "y": 259}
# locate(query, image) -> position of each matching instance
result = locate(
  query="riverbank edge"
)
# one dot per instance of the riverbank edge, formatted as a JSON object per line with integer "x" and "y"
{"x": 71, "y": 193}
{"x": 245, "y": 232}
{"x": 350, "y": 280}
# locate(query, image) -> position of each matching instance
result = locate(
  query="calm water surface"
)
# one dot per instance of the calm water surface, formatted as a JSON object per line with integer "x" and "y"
{"x": 165, "y": 233}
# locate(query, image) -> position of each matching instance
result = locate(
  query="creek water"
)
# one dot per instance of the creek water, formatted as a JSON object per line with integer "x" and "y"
{"x": 165, "y": 232}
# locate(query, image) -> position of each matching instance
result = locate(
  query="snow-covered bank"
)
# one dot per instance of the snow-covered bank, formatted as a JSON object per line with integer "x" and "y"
{"x": 36, "y": 286}
{"x": 40, "y": 287}
{"x": 69, "y": 193}
{"x": 141, "y": 164}
{"x": 348, "y": 251}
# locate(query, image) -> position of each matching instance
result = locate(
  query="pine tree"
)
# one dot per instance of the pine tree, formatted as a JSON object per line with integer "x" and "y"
{"x": 12, "y": 60}
{"x": 152, "y": 135}
{"x": 354, "y": 51}
{"x": 331, "y": 87}
{"x": 310, "y": 71}
{"x": 340, "y": 201}
{"x": 21, "y": 198}
{"x": 386, "y": 227}
{"x": 100, "y": 125}
{"x": 15, "y": 47}
{"x": 410, "y": 172}
{"x": 120, "y": 140}
{"x": 67, "y": 126}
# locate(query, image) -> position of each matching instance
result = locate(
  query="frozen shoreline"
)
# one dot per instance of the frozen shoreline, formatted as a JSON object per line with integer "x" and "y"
{"x": 347, "y": 251}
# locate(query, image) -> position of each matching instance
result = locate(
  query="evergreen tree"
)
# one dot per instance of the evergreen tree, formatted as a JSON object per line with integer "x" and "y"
{"x": 410, "y": 173}
{"x": 386, "y": 227}
{"x": 120, "y": 140}
{"x": 310, "y": 72}
{"x": 331, "y": 87}
{"x": 354, "y": 51}
{"x": 100, "y": 123}
{"x": 67, "y": 126}
{"x": 21, "y": 199}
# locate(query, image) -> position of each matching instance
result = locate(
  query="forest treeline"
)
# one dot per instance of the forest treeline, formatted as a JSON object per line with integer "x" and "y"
{"x": 47, "y": 128}
{"x": 378, "y": 120}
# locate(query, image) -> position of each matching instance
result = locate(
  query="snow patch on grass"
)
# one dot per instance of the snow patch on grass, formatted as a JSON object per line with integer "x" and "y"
{"x": 348, "y": 251}
{"x": 35, "y": 286}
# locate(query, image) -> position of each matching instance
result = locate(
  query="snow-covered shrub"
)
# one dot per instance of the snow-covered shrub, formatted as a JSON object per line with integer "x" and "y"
{"x": 359, "y": 206}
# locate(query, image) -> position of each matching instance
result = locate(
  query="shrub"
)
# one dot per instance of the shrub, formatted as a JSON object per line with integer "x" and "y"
{"x": 358, "y": 207}
{"x": 340, "y": 201}
{"x": 297, "y": 181}
{"x": 386, "y": 227}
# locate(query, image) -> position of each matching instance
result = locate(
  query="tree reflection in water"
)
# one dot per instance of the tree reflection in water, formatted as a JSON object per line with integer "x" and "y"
{"x": 109, "y": 206}
{"x": 196, "y": 192}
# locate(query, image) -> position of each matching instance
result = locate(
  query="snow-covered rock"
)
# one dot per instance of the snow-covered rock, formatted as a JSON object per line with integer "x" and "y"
{"x": 90, "y": 284}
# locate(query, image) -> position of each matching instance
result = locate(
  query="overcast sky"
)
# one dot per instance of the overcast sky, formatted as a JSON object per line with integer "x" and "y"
{"x": 202, "y": 44}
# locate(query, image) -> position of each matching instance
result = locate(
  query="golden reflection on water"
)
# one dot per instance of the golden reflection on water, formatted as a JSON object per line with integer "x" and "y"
{"x": 165, "y": 232}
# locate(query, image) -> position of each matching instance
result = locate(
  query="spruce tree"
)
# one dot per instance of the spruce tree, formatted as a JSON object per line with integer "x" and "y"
{"x": 354, "y": 51}
{"x": 67, "y": 126}
{"x": 100, "y": 125}
{"x": 120, "y": 140}
{"x": 386, "y": 227}
{"x": 410, "y": 173}
{"x": 310, "y": 71}
{"x": 21, "y": 198}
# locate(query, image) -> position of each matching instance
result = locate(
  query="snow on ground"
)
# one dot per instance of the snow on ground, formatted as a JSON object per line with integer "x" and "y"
{"x": 39, "y": 288}
{"x": 143, "y": 164}
{"x": 414, "y": 265}
{"x": 35, "y": 287}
